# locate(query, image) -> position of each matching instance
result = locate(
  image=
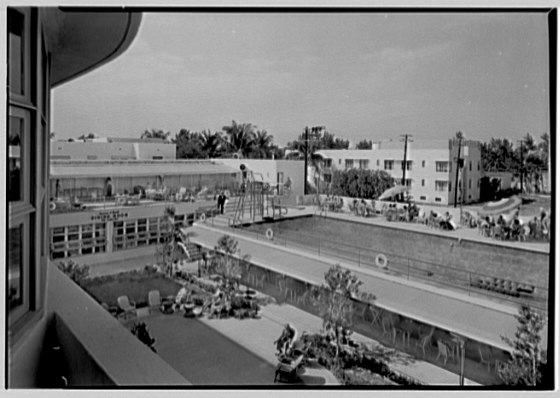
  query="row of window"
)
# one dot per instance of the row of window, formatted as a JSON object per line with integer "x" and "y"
{"x": 441, "y": 166}
{"x": 79, "y": 240}
{"x": 27, "y": 168}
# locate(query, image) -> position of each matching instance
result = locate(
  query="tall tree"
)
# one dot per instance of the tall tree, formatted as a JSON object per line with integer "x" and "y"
{"x": 335, "y": 298}
{"x": 364, "y": 144}
{"x": 188, "y": 145}
{"x": 211, "y": 144}
{"x": 528, "y": 357}
{"x": 157, "y": 134}
{"x": 239, "y": 138}
{"x": 262, "y": 145}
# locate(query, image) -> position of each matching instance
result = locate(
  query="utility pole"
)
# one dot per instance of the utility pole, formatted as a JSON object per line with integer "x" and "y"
{"x": 406, "y": 139}
{"x": 305, "y": 160}
{"x": 460, "y": 138}
{"x": 521, "y": 163}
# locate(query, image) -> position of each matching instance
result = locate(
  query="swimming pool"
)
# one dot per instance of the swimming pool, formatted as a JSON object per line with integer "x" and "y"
{"x": 442, "y": 260}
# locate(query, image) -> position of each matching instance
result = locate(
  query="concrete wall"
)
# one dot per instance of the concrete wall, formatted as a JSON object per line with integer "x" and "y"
{"x": 97, "y": 347}
{"x": 80, "y": 150}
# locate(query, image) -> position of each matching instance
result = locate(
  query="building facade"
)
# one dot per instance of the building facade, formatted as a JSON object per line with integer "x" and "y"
{"x": 113, "y": 149}
{"x": 49, "y": 46}
{"x": 430, "y": 168}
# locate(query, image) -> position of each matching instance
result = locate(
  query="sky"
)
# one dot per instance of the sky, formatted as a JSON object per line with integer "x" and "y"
{"x": 369, "y": 76}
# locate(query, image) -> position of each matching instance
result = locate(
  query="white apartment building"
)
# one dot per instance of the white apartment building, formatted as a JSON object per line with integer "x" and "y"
{"x": 430, "y": 167}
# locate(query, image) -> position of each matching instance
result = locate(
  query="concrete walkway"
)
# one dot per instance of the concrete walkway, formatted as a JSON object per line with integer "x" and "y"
{"x": 476, "y": 318}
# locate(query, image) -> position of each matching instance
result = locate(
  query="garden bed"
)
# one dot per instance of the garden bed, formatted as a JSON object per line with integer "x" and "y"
{"x": 134, "y": 284}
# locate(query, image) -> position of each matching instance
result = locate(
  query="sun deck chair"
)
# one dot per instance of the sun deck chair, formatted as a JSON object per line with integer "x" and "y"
{"x": 128, "y": 307}
{"x": 424, "y": 340}
{"x": 154, "y": 299}
{"x": 443, "y": 351}
{"x": 485, "y": 358}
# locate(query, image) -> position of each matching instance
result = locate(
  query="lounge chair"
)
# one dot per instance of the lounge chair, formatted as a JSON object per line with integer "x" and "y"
{"x": 485, "y": 357}
{"x": 424, "y": 340}
{"x": 128, "y": 307}
{"x": 154, "y": 299}
{"x": 443, "y": 351}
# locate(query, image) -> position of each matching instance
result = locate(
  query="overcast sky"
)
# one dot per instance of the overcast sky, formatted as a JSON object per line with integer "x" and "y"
{"x": 362, "y": 75}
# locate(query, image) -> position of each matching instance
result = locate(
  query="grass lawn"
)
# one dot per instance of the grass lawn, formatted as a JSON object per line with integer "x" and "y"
{"x": 134, "y": 285}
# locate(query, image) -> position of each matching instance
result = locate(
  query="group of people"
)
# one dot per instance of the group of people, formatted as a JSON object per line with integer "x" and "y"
{"x": 512, "y": 227}
{"x": 409, "y": 213}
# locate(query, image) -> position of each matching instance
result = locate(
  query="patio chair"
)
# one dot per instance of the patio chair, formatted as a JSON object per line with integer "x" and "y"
{"x": 154, "y": 299}
{"x": 484, "y": 357}
{"x": 443, "y": 351}
{"x": 424, "y": 340}
{"x": 127, "y": 306}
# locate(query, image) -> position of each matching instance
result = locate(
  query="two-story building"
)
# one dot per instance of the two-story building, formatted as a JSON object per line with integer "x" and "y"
{"x": 429, "y": 171}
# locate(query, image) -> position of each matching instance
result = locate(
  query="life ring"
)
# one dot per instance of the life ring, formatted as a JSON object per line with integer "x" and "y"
{"x": 381, "y": 261}
{"x": 52, "y": 206}
{"x": 269, "y": 234}
{"x": 202, "y": 217}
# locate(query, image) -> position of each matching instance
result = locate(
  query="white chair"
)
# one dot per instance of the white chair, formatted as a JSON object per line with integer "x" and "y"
{"x": 128, "y": 307}
{"x": 443, "y": 351}
{"x": 484, "y": 358}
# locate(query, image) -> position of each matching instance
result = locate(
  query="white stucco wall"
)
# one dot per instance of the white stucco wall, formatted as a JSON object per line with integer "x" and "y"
{"x": 111, "y": 150}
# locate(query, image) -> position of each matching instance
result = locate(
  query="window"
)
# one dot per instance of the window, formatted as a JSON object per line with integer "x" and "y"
{"x": 423, "y": 198}
{"x": 327, "y": 177}
{"x": 470, "y": 183}
{"x": 339, "y": 161}
{"x": 442, "y": 167}
{"x": 15, "y": 155}
{"x": 16, "y": 267}
{"x": 423, "y": 163}
{"x": 349, "y": 163}
{"x": 478, "y": 183}
{"x": 328, "y": 162}
{"x": 364, "y": 164}
{"x": 16, "y": 51}
{"x": 408, "y": 165}
{"x": 423, "y": 182}
{"x": 408, "y": 182}
{"x": 441, "y": 186}
{"x": 470, "y": 165}
{"x": 377, "y": 162}
{"x": 438, "y": 199}
{"x": 478, "y": 166}
{"x": 28, "y": 98}
{"x": 388, "y": 164}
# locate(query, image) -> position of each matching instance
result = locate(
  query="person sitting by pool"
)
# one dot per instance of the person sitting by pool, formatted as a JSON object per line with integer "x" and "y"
{"x": 286, "y": 340}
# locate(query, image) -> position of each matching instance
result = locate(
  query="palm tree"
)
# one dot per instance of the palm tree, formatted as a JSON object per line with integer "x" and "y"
{"x": 210, "y": 144}
{"x": 158, "y": 134}
{"x": 262, "y": 145}
{"x": 189, "y": 145}
{"x": 239, "y": 138}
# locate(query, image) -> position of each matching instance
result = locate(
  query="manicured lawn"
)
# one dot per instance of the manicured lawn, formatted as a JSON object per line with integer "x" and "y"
{"x": 134, "y": 285}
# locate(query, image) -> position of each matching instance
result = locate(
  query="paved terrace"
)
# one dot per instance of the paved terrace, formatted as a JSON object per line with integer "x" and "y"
{"x": 476, "y": 318}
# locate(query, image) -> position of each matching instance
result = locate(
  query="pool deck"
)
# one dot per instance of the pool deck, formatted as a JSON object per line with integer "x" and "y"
{"x": 477, "y": 318}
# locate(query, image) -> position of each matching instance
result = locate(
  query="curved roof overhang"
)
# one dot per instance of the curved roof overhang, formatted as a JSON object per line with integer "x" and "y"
{"x": 81, "y": 40}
